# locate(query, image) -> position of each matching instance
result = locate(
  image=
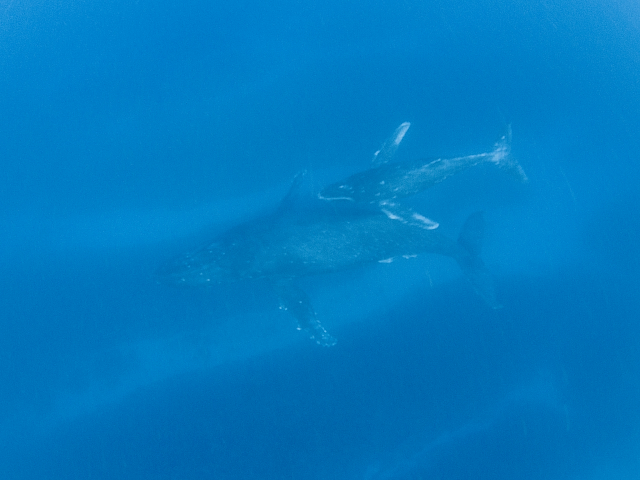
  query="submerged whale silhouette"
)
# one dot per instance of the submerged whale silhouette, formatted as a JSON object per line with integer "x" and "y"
{"x": 307, "y": 236}
{"x": 318, "y": 238}
{"x": 385, "y": 183}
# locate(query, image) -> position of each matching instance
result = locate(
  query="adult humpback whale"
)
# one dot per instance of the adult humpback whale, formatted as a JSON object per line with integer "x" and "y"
{"x": 321, "y": 237}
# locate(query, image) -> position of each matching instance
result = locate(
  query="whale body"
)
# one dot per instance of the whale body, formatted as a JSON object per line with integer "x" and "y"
{"x": 295, "y": 242}
{"x": 388, "y": 181}
{"x": 315, "y": 234}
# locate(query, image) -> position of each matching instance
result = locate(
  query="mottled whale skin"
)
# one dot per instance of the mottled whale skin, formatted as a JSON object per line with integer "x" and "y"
{"x": 290, "y": 244}
{"x": 318, "y": 236}
{"x": 387, "y": 182}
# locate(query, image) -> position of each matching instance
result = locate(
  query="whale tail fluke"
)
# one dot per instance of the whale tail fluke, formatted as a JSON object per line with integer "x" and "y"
{"x": 502, "y": 157}
{"x": 470, "y": 239}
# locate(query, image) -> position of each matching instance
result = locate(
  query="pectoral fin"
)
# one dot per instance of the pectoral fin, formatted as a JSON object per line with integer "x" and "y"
{"x": 388, "y": 149}
{"x": 408, "y": 216}
{"x": 294, "y": 300}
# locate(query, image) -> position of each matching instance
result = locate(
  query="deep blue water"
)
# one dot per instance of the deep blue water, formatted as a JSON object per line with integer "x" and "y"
{"x": 132, "y": 131}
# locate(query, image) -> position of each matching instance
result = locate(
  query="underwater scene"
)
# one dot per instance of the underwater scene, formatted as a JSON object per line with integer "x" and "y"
{"x": 320, "y": 240}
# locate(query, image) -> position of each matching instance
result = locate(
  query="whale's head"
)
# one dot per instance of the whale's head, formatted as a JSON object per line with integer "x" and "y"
{"x": 200, "y": 268}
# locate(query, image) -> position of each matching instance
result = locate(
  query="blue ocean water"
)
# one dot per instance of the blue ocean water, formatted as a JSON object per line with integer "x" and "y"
{"x": 133, "y": 131}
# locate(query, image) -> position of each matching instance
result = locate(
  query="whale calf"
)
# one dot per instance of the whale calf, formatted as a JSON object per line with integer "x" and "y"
{"x": 388, "y": 181}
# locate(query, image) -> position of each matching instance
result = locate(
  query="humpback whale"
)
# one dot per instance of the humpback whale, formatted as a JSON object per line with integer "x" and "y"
{"x": 301, "y": 239}
{"x": 388, "y": 181}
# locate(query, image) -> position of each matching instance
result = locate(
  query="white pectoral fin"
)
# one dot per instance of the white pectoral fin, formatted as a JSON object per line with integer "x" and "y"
{"x": 408, "y": 216}
{"x": 295, "y": 301}
{"x": 389, "y": 147}
{"x": 399, "y": 133}
{"x": 425, "y": 222}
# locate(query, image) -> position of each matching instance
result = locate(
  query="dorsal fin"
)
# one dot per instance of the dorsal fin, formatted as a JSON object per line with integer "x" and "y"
{"x": 293, "y": 199}
{"x": 389, "y": 147}
{"x": 294, "y": 189}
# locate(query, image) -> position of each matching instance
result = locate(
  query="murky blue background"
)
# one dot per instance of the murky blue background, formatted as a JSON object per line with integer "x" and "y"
{"x": 130, "y": 131}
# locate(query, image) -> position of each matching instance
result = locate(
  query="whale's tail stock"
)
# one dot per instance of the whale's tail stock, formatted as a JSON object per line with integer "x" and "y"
{"x": 501, "y": 156}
